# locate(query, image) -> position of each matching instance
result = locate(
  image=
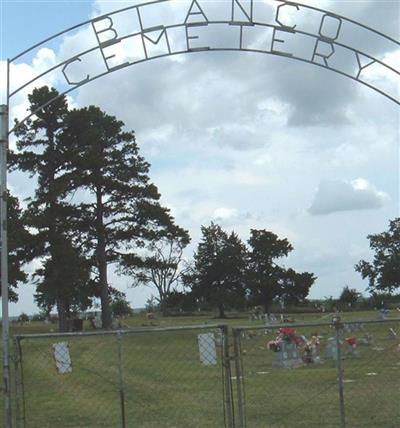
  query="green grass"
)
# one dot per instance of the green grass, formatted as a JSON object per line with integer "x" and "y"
{"x": 165, "y": 384}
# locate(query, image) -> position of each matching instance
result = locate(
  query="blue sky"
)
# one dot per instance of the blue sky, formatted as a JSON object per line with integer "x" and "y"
{"x": 246, "y": 140}
{"x": 25, "y": 23}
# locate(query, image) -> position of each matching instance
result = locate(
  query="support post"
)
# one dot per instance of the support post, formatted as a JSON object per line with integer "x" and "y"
{"x": 121, "y": 380}
{"x": 338, "y": 326}
{"x": 4, "y": 265}
{"x": 227, "y": 376}
{"x": 239, "y": 378}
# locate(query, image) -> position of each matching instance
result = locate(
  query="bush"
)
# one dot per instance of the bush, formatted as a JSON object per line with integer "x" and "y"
{"x": 23, "y": 318}
{"x": 120, "y": 307}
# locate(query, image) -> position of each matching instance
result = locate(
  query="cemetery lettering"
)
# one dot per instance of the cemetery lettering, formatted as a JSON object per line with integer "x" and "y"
{"x": 245, "y": 20}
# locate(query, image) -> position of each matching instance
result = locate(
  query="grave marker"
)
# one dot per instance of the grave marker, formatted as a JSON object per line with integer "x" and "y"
{"x": 288, "y": 357}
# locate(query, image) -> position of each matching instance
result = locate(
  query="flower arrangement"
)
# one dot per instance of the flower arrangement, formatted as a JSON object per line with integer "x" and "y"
{"x": 285, "y": 334}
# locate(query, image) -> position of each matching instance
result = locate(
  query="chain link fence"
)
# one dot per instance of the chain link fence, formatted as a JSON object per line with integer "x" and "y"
{"x": 148, "y": 378}
{"x": 336, "y": 374}
{"x": 318, "y": 375}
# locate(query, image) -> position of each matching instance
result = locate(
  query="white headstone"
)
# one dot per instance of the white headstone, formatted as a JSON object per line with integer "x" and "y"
{"x": 207, "y": 349}
{"x": 62, "y": 357}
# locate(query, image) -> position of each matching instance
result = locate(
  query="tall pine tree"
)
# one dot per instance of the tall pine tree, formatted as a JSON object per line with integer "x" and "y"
{"x": 121, "y": 213}
{"x": 219, "y": 268}
{"x": 48, "y": 212}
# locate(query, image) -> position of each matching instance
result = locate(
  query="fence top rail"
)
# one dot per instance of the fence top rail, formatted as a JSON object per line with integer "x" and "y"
{"x": 120, "y": 332}
{"x": 317, "y": 324}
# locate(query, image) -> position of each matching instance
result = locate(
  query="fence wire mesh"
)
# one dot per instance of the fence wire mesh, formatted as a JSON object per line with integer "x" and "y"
{"x": 341, "y": 374}
{"x": 321, "y": 375}
{"x": 371, "y": 374}
{"x": 153, "y": 378}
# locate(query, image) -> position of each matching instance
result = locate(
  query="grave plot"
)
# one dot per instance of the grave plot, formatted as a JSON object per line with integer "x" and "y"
{"x": 286, "y": 377}
{"x": 372, "y": 377}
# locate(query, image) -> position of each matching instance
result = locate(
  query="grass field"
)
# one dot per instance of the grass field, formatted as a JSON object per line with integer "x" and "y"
{"x": 165, "y": 384}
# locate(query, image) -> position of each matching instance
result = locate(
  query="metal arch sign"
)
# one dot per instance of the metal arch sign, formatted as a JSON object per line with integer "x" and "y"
{"x": 288, "y": 29}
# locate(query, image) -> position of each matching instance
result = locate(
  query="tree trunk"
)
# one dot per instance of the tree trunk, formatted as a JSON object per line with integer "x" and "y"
{"x": 62, "y": 315}
{"x": 106, "y": 319}
{"x": 267, "y": 307}
{"x": 221, "y": 310}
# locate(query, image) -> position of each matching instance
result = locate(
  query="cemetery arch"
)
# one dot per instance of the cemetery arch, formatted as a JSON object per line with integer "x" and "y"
{"x": 285, "y": 22}
{"x": 283, "y": 26}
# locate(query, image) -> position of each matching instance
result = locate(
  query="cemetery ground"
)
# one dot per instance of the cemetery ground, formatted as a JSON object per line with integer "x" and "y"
{"x": 165, "y": 384}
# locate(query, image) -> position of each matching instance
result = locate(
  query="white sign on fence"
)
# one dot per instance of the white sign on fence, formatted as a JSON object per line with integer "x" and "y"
{"x": 62, "y": 357}
{"x": 207, "y": 350}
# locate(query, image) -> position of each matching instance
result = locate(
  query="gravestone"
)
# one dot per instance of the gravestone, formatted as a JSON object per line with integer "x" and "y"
{"x": 62, "y": 357}
{"x": 331, "y": 349}
{"x": 288, "y": 357}
{"x": 207, "y": 349}
{"x": 353, "y": 327}
{"x": 365, "y": 340}
{"x": 383, "y": 314}
{"x": 270, "y": 319}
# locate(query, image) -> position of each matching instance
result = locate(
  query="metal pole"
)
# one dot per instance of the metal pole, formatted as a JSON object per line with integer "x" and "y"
{"x": 340, "y": 374}
{"x": 121, "y": 380}
{"x": 239, "y": 377}
{"x": 227, "y": 376}
{"x": 4, "y": 264}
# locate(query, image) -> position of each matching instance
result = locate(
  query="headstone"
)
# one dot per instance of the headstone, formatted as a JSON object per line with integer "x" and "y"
{"x": 353, "y": 326}
{"x": 288, "y": 357}
{"x": 331, "y": 351}
{"x": 270, "y": 319}
{"x": 62, "y": 357}
{"x": 365, "y": 340}
{"x": 207, "y": 349}
{"x": 383, "y": 313}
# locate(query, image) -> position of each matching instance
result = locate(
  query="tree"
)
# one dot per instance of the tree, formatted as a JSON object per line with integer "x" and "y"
{"x": 162, "y": 269}
{"x": 217, "y": 276}
{"x": 178, "y": 300}
{"x": 75, "y": 288}
{"x": 349, "y": 296}
{"x": 120, "y": 307}
{"x": 123, "y": 214}
{"x": 264, "y": 276}
{"x": 48, "y": 213}
{"x": 18, "y": 247}
{"x": 383, "y": 273}
{"x": 294, "y": 286}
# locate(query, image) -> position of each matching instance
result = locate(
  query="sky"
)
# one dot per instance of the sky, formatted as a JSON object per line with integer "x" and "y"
{"x": 249, "y": 141}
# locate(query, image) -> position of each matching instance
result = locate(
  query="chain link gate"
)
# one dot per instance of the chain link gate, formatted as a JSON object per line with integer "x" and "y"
{"x": 340, "y": 374}
{"x": 169, "y": 377}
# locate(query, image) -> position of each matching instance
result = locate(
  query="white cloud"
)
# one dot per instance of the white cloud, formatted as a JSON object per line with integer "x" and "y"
{"x": 245, "y": 138}
{"x": 333, "y": 196}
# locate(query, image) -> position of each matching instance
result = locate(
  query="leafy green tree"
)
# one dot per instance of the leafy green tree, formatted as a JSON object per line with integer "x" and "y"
{"x": 23, "y": 318}
{"x": 264, "y": 276}
{"x": 18, "y": 247}
{"x": 163, "y": 269}
{"x": 349, "y": 296}
{"x": 123, "y": 214}
{"x": 178, "y": 300}
{"x": 295, "y": 286}
{"x": 120, "y": 307}
{"x": 383, "y": 273}
{"x": 48, "y": 213}
{"x": 217, "y": 276}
